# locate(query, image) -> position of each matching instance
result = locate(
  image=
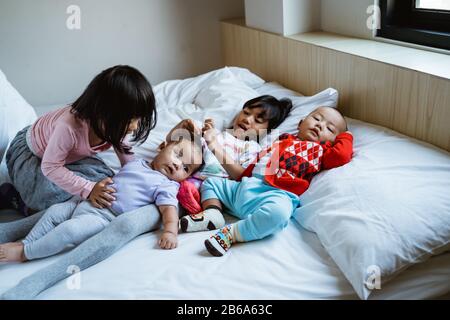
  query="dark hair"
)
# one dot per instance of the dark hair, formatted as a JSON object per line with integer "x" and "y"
{"x": 112, "y": 100}
{"x": 274, "y": 110}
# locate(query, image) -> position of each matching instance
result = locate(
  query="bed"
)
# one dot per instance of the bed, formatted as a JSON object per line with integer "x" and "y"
{"x": 294, "y": 264}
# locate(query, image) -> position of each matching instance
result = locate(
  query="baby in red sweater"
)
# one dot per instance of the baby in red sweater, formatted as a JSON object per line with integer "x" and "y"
{"x": 267, "y": 194}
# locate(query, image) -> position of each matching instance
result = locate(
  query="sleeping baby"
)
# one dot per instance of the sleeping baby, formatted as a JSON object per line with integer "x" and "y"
{"x": 269, "y": 190}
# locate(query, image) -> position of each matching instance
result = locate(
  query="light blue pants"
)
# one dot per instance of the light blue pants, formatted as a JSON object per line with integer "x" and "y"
{"x": 65, "y": 224}
{"x": 263, "y": 209}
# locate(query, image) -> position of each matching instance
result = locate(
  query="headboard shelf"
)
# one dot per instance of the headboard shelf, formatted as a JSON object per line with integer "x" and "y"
{"x": 409, "y": 101}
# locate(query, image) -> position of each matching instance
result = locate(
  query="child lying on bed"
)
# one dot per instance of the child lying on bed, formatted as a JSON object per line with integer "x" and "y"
{"x": 233, "y": 151}
{"x": 269, "y": 192}
{"x": 137, "y": 184}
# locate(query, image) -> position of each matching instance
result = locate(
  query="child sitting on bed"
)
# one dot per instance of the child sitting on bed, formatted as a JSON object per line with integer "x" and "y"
{"x": 137, "y": 184}
{"x": 268, "y": 193}
{"x": 234, "y": 150}
{"x": 54, "y": 159}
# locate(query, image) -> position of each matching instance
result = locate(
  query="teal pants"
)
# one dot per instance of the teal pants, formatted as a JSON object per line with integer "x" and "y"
{"x": 263, "y": 209}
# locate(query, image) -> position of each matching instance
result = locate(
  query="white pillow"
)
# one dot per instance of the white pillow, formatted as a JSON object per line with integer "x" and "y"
{"x": 173, "y": 93}
{"x": 247, "y": 77}
{"x": 387, "y": 209}
{"x": 301, "y": 107}
{"x": 223, "y": 97}
{"x": 15, "y": 113}
{"x": 277, "y": 90}
{"x": 4, "y": 136}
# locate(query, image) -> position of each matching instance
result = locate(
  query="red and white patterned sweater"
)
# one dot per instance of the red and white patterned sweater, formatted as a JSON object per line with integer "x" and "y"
{"x": 291, "y": 163}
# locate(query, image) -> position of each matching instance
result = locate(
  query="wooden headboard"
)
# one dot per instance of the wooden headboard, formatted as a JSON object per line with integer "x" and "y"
{"x": 411, "y": 102}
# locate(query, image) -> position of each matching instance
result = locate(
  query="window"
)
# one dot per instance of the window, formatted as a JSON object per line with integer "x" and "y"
{"x": 433, "y": 4}
{"x": 424, "y": 22}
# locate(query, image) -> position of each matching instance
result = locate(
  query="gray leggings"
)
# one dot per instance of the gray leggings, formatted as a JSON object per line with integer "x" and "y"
{"x": 120, "y": 231}
{"x": 63, "y": 225}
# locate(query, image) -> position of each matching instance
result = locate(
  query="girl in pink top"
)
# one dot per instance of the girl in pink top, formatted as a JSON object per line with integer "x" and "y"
{"x": 119, "y": 101}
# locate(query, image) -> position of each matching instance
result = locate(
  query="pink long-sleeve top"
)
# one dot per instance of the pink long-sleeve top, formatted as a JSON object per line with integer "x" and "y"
{"x": 59, "y": 138}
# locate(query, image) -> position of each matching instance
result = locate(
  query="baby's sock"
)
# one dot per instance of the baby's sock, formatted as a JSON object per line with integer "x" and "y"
{"x": 219, "y": 243}
{"x": 209, "y": 219}
{"x": 235, "y": 233}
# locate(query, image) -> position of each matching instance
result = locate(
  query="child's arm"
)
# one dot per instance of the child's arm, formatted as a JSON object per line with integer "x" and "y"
{"x": 168, "y": 238}
{"x": 235, "y": 170}
{"x": 60, "y": 145}
{"x": 166, "y": 201}
{"x": 340, "y": 153}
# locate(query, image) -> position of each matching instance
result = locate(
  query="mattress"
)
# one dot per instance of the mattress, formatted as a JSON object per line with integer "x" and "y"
{"x": 289, "y": 265}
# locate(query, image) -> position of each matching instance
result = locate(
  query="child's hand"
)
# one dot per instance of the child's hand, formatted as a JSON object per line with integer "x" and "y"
{"x": 191, "y": 126}
{"x": 100, "y": 196}
{"x": 186, "y": 124}
{"x": 209, "y": 132}
{"x": 168, "y": 240}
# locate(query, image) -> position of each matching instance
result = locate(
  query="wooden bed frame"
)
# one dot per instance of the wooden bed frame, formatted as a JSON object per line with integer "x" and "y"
{"x": 414, "y": 103}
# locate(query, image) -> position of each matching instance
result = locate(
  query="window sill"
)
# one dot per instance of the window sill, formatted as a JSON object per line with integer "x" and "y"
{"x": 436, "y": 64}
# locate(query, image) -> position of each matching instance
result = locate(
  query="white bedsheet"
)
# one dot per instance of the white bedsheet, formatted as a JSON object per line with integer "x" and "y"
{"x": 289, "y": 265}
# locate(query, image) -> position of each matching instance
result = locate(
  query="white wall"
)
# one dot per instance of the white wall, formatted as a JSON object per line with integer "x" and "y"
{"x": 284, "y": 17}
{"x": 348, "y": 17}
{"x": 301, "y": 16}
{"x": 165, "y": 39}
{"x": 265, "y": 15}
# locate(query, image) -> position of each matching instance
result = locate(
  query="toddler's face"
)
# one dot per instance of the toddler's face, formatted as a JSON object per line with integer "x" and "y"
{"x": 178, "y": 161}
{"x": 321, "y": 125}
{"x": 250, "y": 123}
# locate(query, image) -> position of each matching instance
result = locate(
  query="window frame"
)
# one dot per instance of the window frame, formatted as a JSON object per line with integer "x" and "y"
{"x": 401, "y": 20}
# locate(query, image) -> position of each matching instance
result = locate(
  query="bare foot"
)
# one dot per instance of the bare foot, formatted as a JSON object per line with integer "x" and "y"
{"x": 12, "y": 252}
